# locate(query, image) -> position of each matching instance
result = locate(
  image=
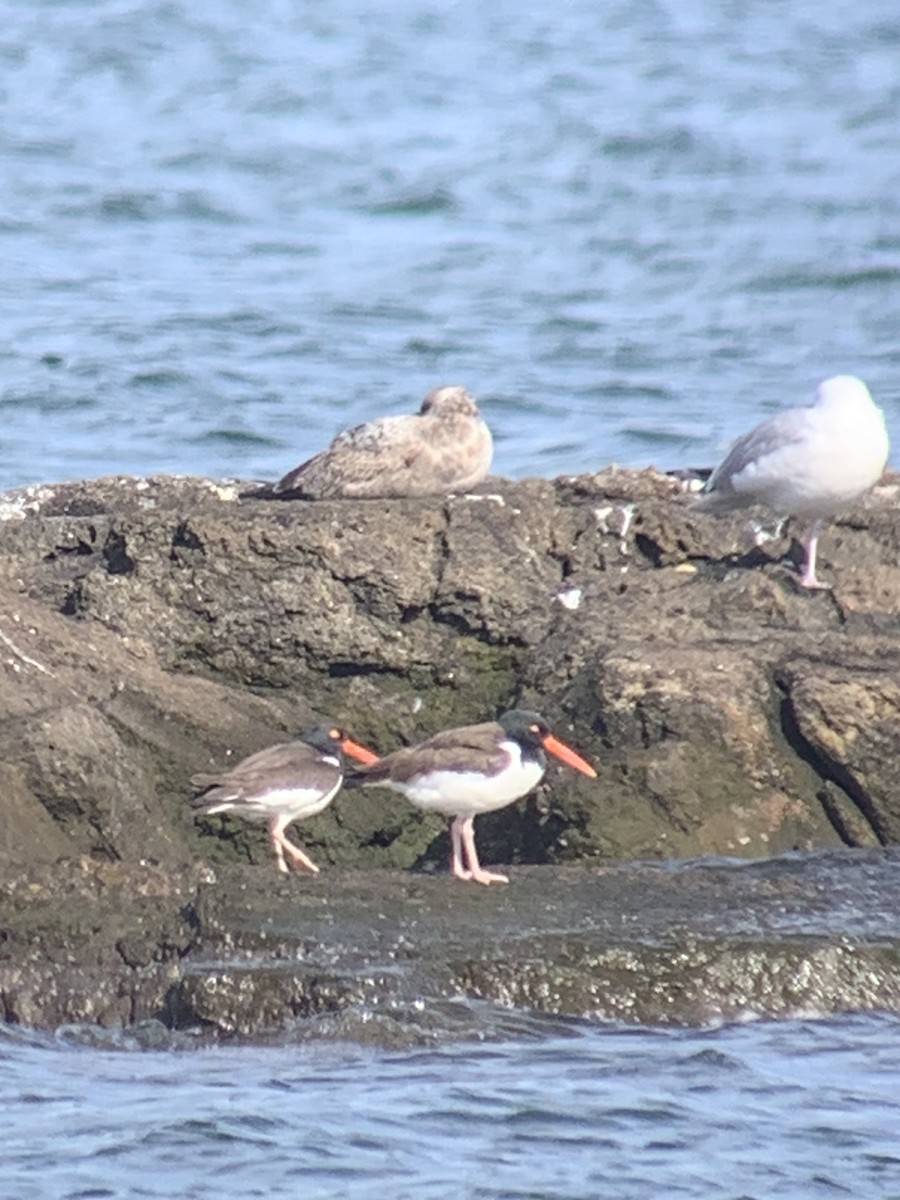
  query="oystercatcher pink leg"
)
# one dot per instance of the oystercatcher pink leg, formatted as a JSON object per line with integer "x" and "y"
{"x": 281, "y": 843}
{"x": 457, "y": 866}
{"x": 476, "y": 871}
{"x": 279, "y": 852}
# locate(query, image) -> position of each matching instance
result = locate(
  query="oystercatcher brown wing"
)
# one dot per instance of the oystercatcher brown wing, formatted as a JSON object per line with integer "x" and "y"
{"x": 282, "y": 768}
{"x": 469, "y": 748}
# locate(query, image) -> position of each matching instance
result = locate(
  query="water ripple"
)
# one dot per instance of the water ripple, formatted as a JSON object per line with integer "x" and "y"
{"x": 545, "y": 210}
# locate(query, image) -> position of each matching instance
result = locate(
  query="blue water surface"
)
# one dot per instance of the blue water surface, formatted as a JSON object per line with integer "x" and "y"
{"x": 632, "y": 229}
{"x": 794, "y": 1109}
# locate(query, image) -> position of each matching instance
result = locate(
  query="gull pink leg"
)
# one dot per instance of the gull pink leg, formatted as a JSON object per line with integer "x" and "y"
{"x": 810, "y": 543}
{"x": 476, "y": 871}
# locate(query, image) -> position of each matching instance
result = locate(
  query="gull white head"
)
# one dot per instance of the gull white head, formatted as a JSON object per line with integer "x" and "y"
{"x": 845, "y": 392}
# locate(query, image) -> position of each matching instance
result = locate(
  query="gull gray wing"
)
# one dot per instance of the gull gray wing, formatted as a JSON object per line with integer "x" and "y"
{"x": 760, "y": 456}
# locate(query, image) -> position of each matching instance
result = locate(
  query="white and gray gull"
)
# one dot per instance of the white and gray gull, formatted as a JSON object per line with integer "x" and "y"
{"x": 445, "y": 447}
{"x": 805, "y": 462}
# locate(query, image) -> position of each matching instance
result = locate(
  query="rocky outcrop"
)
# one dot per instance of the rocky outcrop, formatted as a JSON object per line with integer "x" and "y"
{"x": 152, "y": 628}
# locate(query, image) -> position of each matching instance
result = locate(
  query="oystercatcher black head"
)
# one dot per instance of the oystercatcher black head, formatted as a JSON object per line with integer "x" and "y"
{"x": 282, "y": 783}
{"x": 532, "y": 733}
{"x": 332, "y": 740}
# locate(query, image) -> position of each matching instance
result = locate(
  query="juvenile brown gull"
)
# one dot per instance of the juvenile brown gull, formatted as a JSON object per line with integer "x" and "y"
{"x": 445, "y": 447}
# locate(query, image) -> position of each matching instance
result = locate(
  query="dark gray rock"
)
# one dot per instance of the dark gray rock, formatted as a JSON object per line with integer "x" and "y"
{"x": 152, "y": 628}
{"x": 157, "y": 626}
{"x": 383, "y": 956}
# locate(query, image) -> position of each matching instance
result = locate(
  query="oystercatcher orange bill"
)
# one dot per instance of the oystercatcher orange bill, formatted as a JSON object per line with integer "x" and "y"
{"x": 360, "y": 753}
{"x": 567, "y": 755}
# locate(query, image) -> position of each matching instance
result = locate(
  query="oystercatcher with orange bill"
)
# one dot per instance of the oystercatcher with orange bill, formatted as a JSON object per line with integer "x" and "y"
{"x": 470, "y": 770}
{"x": 282, "y": 783}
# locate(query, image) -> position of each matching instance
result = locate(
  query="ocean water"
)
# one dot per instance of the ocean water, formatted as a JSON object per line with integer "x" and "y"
{"x": 632, "y": 229}
{"x": 795, "y": 1109}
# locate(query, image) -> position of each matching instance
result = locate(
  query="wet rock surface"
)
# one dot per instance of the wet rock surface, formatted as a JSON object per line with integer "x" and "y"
{"x": 150, "y": 629}
{"x": 398, "y": 958}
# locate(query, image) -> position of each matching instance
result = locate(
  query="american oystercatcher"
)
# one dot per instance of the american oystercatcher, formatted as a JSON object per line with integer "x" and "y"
{"x": 805, "y": 462}
{"x": 282, "y": 783}
{"x": 445, "y": 447}
{"x": 470, "y": 770}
